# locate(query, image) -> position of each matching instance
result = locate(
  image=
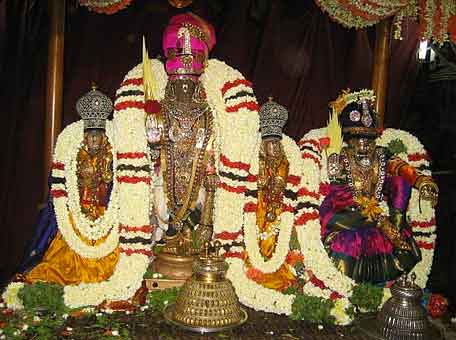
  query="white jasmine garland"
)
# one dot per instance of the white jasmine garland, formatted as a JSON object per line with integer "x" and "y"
{"x": 251, "y": 234}
{"x": 254, "y": 295}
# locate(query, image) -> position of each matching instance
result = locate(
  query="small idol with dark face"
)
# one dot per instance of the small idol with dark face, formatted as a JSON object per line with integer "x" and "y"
{"x": 95, "y": 139}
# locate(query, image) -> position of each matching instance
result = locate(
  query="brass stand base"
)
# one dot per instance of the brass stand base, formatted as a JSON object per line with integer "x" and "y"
{"x": 169, "y": 311}
{"x": 173, "y": 266}
{"x": 368, "y": 325}
{"x": 160, "y": 284}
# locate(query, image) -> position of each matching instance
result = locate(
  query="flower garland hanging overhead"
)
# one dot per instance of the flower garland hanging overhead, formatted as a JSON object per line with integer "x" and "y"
{"x": 105, "y": 6}
{"x": 437, "y": 18}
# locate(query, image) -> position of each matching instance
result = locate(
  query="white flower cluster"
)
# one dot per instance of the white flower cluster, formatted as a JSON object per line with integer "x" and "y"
{"x": 10, "y": 295}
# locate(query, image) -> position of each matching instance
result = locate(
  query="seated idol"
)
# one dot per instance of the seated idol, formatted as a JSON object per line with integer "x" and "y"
{"x": 363, "y": 217}
{"x": 81, "y": 186}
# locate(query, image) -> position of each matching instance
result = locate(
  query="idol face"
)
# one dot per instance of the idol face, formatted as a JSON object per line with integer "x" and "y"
{"x": 361, "y": 145}
{"x": 272, "y": 148}
{"x": 94, "y": 140}
{"x": 184, "y": 88}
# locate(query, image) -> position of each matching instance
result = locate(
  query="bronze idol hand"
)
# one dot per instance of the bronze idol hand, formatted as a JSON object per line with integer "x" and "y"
{"x": 429, "y": 191}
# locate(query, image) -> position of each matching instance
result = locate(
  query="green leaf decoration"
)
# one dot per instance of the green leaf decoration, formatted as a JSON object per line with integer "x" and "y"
{"x": 312, "y": 308}
{"x": 158, "y": 300}
{"x": 367, "y": 297}
{"x": 396, "y": 146}
{"x": 45, "y": 297}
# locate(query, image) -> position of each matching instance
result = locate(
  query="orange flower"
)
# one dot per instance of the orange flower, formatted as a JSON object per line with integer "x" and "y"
{"x": 294, "y": 257}
{"x": 255, "y": 274}
{"x": 77, "y": 314}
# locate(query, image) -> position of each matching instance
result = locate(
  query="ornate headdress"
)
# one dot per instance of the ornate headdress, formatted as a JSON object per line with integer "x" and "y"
{"x": 94, "y": 108}
{"x": 187, "y": 41}
{"x": 356, "y": 113}
{"x": 273, "y": 118}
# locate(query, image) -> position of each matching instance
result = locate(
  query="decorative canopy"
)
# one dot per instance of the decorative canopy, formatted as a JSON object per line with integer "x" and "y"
{"x": 437, "y": 17}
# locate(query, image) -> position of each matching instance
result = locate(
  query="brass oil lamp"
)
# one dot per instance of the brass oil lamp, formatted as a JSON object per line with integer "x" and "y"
{"x": 402, "y": 317}
{"x": 207, "y": 302}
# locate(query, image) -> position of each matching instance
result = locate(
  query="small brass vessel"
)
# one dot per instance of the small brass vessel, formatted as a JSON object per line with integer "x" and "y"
{"x": 207, "y": 302}
{"x": 402, "y": 317}
{"x": 176, "y": 258}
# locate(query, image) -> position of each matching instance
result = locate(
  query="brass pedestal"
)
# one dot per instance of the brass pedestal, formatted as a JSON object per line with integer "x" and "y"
{"x": 172, "y": 266}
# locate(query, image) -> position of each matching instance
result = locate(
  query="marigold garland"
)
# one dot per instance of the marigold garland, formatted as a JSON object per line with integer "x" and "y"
{"x": 437, "y": 18}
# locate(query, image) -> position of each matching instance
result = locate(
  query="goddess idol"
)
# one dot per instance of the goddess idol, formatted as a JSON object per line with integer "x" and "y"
{"x": 78, "y": 243}
{"x": 363, "y": 217}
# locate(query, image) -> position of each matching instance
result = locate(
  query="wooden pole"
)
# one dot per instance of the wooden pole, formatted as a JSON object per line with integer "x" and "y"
{"x": 54, "y": 99}
{"x": 381, "y": 66}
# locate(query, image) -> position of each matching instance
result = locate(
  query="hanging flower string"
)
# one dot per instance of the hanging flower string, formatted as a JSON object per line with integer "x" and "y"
{"x": 437, "y": 18}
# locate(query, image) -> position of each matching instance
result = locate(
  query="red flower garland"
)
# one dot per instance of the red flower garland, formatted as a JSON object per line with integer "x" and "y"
{"x": 130, "y": 252}
{"x": 230, "y": 84}
{"x": 132, "y": 81}
{"x": 132, "y": 229}
{"x": 252, "y": 106}
{"x": 236, "y": 190}
{"x": 58, "y": 193}
{"x": 129, "y": 104}
{"x": 58, "y": 166}
{"x": 130, "y": 155}
{"x": 233, "y": 164}
{"x": 305, "y": 217}
{"x": 226, "y": 235}
{"x": 133, "y": 179}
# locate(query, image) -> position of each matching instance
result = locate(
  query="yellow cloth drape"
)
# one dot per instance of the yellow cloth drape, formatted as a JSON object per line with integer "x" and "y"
{"x": 63, "y": 266}
{"x": 283, "y": 277}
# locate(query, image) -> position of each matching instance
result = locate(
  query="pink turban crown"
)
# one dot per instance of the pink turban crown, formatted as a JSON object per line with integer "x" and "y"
{"x": 187, "y": 41}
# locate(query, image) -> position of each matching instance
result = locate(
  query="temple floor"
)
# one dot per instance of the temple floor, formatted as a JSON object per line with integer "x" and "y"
{"x": 151, "y": 325}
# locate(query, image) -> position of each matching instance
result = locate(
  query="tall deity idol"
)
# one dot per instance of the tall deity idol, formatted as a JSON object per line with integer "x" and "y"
{"x": 363, "y": 217}
{"x": 181, "y": 138}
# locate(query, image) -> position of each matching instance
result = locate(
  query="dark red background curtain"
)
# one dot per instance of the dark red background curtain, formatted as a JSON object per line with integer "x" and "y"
{"x": 289, "y": 49}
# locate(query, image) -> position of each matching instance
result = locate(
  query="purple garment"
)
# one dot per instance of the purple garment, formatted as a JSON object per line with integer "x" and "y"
{"x": 398, "y": 191}
{"x": 363, "y": 239}
{"x": 361, "y": 242}
{"x": 338, "y": 198}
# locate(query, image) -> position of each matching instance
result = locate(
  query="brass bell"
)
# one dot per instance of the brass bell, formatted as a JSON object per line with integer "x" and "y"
{"x": 207, "y": 302}
{"x": 402, "y": 317}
